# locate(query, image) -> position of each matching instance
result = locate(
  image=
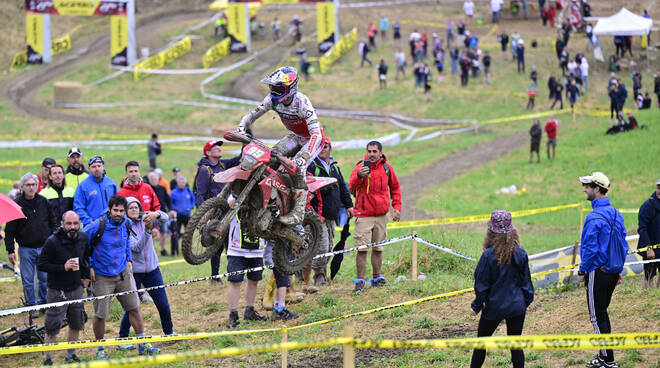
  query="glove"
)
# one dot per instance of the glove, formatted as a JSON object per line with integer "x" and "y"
{"x": 240, "y": 129}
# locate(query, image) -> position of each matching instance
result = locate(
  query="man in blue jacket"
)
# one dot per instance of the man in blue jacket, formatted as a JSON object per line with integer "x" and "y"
{"x": 334, "y": 197}
{"x": 111, "y": 270}
{"x": 92, "y": 194}
{"x": 649, "y": 234}
{"x": 600, "y": 267}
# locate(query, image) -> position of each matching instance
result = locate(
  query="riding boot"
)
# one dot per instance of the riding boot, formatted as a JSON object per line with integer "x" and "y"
{"x": 297, "y": 213}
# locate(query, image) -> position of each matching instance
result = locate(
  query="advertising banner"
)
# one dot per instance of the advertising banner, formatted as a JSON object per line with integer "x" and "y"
{"x": 162, "y": 58}
{"x": 237, "y": 27}
{"x": 34, "y": 33}
{"x": 216, "y": 52}
{"x": 76, "y": 7}
{"x": 325, "y": 25}
{"x": 118, "y": 40}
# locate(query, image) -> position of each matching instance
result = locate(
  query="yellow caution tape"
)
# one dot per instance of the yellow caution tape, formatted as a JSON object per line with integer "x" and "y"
{"x": 524, "y": 117}
{"x": 492, "y": 30}
{"x": 19, "y": 163}
{"x": 622, "y": 210}
{"x": 171, "y": 262}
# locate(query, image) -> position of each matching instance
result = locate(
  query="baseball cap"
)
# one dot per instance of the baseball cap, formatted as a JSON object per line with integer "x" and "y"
{"x": 658, "y": 183}
{"x": 212, "y": 143}
{"x": 176, "y": 169}
{"x": 326, "y": 140}
{"x": 597, "y": 178}
{"x": 48, "y": 162}
{"x": 94, "y": 160}
{"x": 73, "y": 151}
{"x": 500, "y": 222}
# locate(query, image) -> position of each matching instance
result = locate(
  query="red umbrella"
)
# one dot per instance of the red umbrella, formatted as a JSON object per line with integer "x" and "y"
{"x": 9, "y": 210}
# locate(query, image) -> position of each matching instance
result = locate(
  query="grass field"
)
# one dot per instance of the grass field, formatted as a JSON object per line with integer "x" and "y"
{"x": 628, "y": 160}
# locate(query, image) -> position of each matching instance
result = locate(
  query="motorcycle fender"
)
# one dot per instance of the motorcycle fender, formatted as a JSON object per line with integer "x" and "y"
{"x": 229, "y": 175}
{"x": 266, "y": 190}
{"x": 318, "y": 182}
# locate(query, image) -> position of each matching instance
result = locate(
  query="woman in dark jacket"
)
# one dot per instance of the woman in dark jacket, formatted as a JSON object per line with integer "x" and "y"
{"x": 502, "y": 285}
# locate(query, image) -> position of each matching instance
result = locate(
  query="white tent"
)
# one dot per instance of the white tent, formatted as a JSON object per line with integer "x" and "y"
{"x": 623, "y": 23}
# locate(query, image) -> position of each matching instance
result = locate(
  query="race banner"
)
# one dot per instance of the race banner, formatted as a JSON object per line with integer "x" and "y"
{"x": 76, "y": 7}
{"x": 162, "y": 58}
{"x": 216, "y": 52}
{"x": 325, "y": 25}
{"x": 61, "y": 44}
{"x": 118, "y": 40}
{"x": 237, "y": 27}
{"x": 34, "y": 34}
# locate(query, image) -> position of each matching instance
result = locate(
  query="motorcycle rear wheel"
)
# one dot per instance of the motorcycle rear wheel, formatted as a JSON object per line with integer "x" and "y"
{"x": 200, "y": 241}
{"x": 288, "y": 260}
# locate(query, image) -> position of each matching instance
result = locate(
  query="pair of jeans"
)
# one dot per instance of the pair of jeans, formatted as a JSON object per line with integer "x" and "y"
{"x": 149, "y": 279}
{"x": 29, "y": 259}
{"x": 487, "y": 327}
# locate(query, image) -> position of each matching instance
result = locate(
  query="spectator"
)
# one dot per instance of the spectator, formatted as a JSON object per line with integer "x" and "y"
{"x": 621, "y": 95}
{"x": 656, "y": 86}
{"x": 632, "y": 122}
{"x": 440, "y": 62}
{"x": 374, "y": 183}
{"x": 611, "y": 93}
{"x": 464, "y": 62}
{"x": 243, "y": 253}
{"x": 176, "y": 172}
{"x": 15, "y": 191}
{"x": 384, "y": 25}
{"x": 111, "y": 271}
{"x": 364, "y": 50}
{"x": 334, "y": 198}
{"x": 371, "y": 33}
{"x": 204, "y": 187}
{"x": 400, "y": 59}
{"x": 637, "y": 83}
{"x": 136, "y": 188}
{"x": 618, "y": 44}
{"x": 183, "y": 201}
{"x": 628, "y": 45}
{"x": 534, "y": 76}
{"x": 396, "y": 28}
{"x": 165, "y": 206}
{"x": 75, "y": 172}
{"x": 277, "y": 286}
{"x": 276, "y": 26}
{"x": 303, "y": 63}
{"x": 412, "y": 39}
{"x": 571, "y": 67}
{"x": 417, "y": 71}
{"x": 603, "y": 250}
{"x": 646, "y": 102}
{"x": 551, "y": 86}
{"x": 617, "y": 127}
{"x": 495, "y": 8}
{"x": 584, "y": 74}
{"x": 532, "y": 91}
{"x": 153, "y": 150}
{"x": 502, "y": 285}
{"x": 551, "y": 127}
{"x": 648, "y": 219}
{"x": 92, "y": 194}
{"x": 515, "y": 38}
{"x": 145, "y": 263}
{"x": 162, "y": 181}
{"x": 535, "y": 133}
{"x": 63, "y": 260}
{"x": 426, "y": 80}
{"x": 468, "y": 7}
{"x": 30, "y": 233}
{"x": 450, "y": 33}
{"x": 58, "y": 193}
{"x": 503, "y": 39}
{"x": 573, "y": 93}
{"x": 382, "y": 74}
{"x": 558, "y": 96}
{"x": 486, "y": 63}
{"x": 454, "y": 55}
{"x": 460, "y": 31}
{"x": 520, "y": 53}
{"x": 552, "y": 13}
{"x": 43, "y": 175}
{"x": 563, "y": 61}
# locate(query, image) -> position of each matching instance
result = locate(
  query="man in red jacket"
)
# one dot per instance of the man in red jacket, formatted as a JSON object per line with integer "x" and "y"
{"x": 374, "y": 183}
{"x": 551, "y": 129}
{"x": 133, "y": 186}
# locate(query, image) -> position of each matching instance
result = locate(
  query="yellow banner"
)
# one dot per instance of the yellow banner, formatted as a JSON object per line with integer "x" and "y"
{"x": 34, "y": 27}
{"x": 76, "y": 7}
{"x": 162, "y": 58}
{"x": 236, "y": 24}
{"x": 325, "y": 22}
{"x": 216, "y": 52}
{"x": 344, "y": 44}
{"x": 19, "y": 59}
{"x": 61, "y": 44}
{"x": 118, "y": 40}
{"x": 177, "y": 50}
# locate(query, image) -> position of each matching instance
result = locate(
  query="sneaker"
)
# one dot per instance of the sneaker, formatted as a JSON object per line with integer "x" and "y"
{"x": 233, "y": 319}
{"x": 359, "y": 286}
{"x": 284, "y": 315}
{"x": 377, "y": 282}
{"x": 125, "y": 346}
{"x": 48, "y": 361}
{"x": 217, "y": 281}
{"x": 163, "y": 253}
{"x": 145, "y": 348}
{"x": 101, "y": 355}
{"x": 599, "y": 362}
{"x": 72, "y": 359}
{"x": 145, "y": 298}
{"x": 251, "y": 315}
{"x": 309, "y": 289}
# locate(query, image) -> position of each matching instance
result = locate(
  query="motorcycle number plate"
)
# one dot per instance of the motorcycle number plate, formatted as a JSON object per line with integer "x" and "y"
{"x": 255, "y": 152}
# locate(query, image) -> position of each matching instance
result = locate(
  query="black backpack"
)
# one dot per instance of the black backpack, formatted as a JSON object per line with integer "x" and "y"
{"x": 96, "y": 239}
{"x": 209, "y": 169}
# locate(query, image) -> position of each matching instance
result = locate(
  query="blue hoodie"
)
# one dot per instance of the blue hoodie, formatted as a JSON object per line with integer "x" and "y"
{"x": 91, "y": 199}
{"x": 113, "y": 252}
{"x": 183, "y": 201}
{"x": 596, "y": 234}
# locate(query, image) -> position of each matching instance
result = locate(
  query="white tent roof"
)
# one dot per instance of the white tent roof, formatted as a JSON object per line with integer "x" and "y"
{"x": 623, "y": 23}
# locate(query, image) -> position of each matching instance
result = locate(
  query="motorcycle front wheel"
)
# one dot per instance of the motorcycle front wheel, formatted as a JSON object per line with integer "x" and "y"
{"x": 200, "y": 240}
{"x": 290, "y": 259}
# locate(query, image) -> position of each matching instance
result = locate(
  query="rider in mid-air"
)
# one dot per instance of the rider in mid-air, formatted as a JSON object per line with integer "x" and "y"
{"x": 304, "y": 141}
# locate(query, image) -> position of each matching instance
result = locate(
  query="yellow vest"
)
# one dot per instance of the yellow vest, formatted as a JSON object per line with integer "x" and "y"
{"x": 72, "y": 180}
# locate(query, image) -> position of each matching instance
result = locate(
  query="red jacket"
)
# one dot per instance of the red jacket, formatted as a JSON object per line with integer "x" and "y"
{"x": 143, "y": 193}
{"x": 551, "y": 128}
{"x": 372, "y": 194}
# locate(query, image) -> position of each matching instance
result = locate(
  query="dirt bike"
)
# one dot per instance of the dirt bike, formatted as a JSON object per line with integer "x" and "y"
{"x": 262, "y": 186}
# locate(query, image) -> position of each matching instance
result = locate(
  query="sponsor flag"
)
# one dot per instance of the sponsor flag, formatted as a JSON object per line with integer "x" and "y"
{"x": 34, "y": 32}
{"x": 325, "y": 25}
{"x": 118, "y": 40}
{"x": 237, "y": 27}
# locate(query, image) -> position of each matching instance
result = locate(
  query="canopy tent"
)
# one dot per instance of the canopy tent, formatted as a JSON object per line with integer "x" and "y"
{"x": 623, "y": 23}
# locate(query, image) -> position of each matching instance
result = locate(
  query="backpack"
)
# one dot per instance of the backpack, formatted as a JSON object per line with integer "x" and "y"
{"x": 96, "y": 239}
{"x": 209, "y": 169}
{"x": 616, "y": 250}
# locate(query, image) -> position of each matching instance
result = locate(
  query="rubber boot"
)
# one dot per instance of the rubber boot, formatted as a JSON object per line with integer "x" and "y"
{"x": 293, "y": 296}
{"x": 297, "y": 213}
{"x": 269, "y": 295}
{"x": 320, "y": 277}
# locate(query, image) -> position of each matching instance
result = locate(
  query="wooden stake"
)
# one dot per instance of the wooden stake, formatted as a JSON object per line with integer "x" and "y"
{"x": 285, "y": 352}
{"x": 414, "y": 256}
{"x": 349, "y": 349}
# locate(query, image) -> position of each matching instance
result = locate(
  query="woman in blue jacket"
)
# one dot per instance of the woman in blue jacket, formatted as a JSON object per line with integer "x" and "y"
{"x": 502, "y": 285}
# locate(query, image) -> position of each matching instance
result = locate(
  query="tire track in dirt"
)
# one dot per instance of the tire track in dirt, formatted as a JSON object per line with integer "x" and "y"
{"x": 417, "y": 183}
{"x": 21, "y": 91}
